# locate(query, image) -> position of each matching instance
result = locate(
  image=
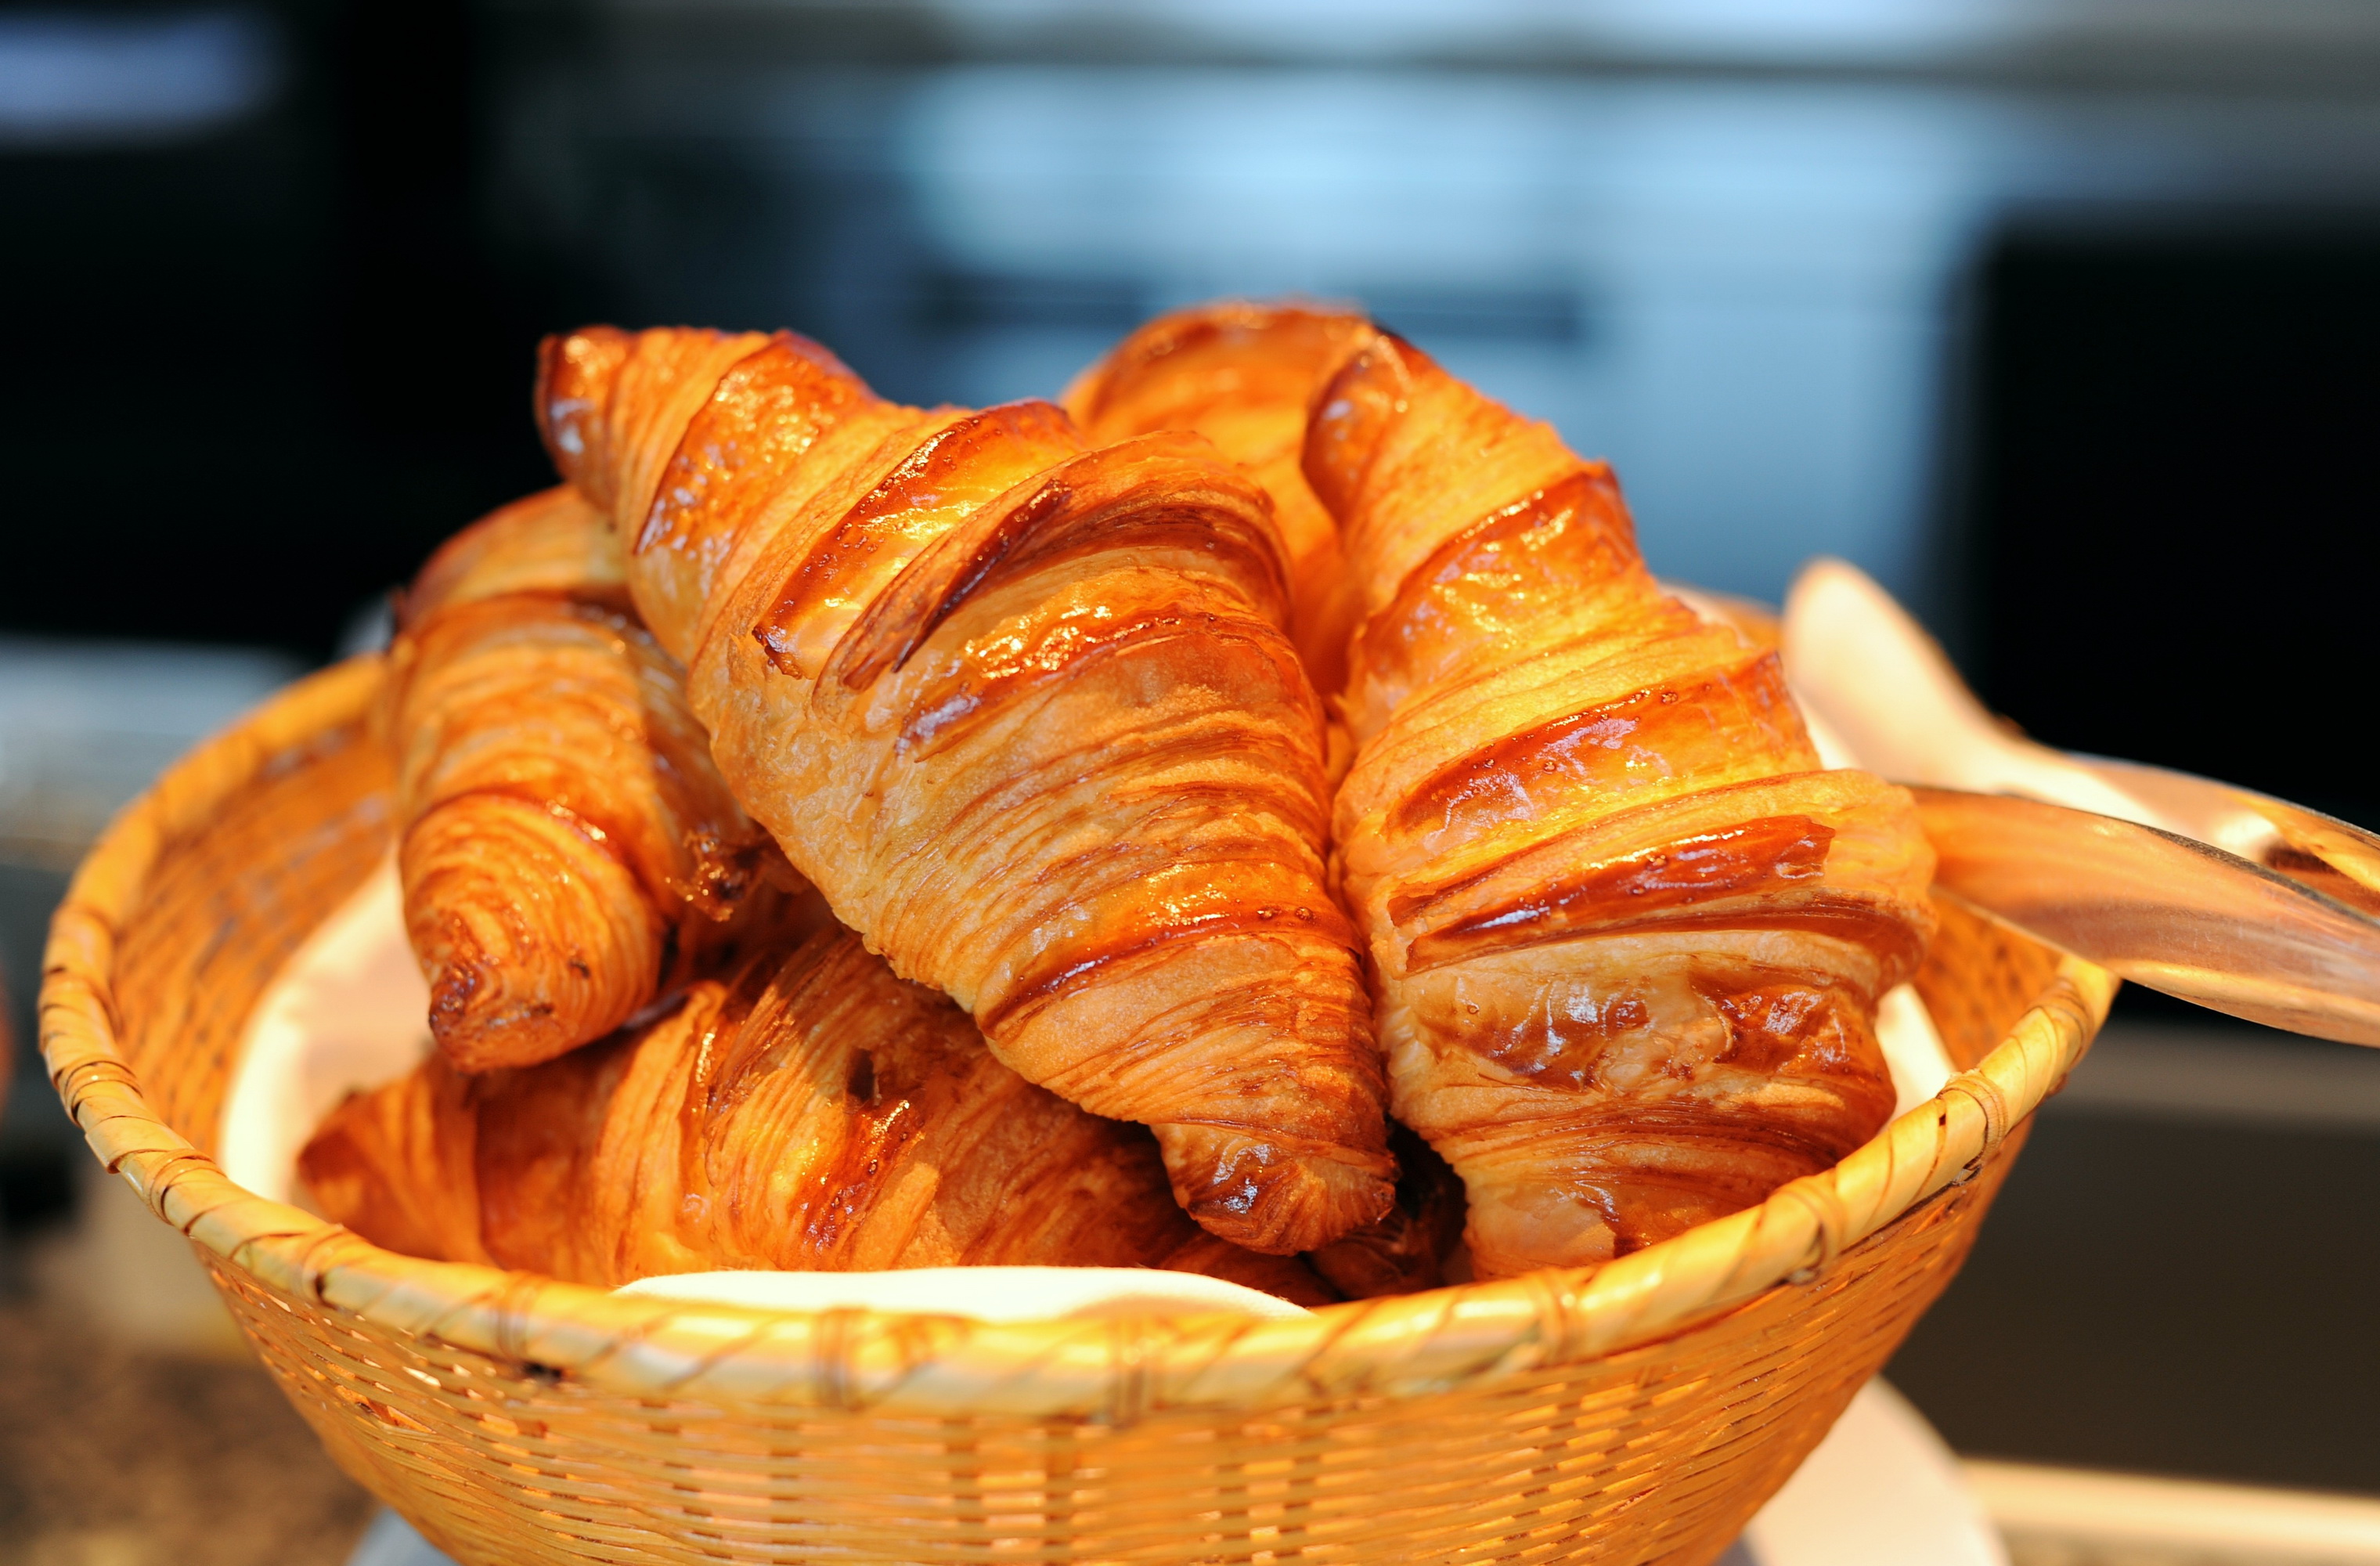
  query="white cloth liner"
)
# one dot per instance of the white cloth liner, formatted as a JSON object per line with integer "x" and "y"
{"x": 984, "y": 1293}
{"x": 347, "y": 1012}
{"x": 1912, "y": 1047}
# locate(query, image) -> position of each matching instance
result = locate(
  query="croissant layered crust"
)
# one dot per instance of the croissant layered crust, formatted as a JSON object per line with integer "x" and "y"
{"x": 1024, "y": 709}
{"x": 808, "y": 1113}
{"x": 1243, "y": 375}
{"x": 567, "y": 847}
{"x": 1627, "y": 936}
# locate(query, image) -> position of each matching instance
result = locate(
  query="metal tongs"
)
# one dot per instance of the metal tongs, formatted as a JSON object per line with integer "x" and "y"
{"x": 2223, "y": 896}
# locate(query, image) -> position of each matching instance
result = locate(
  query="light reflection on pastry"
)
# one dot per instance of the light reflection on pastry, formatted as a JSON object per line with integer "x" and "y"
{"x": 1244, "y": 375}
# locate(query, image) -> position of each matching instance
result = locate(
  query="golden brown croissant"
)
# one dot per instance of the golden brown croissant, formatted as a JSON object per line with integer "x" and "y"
{"x": 567, "y": 848}
{"x": 1025, "y": 714}
{"x": 811, "y": 1114}
{"x": 1627, "y": 937}
{"x": 1243, "y": 375}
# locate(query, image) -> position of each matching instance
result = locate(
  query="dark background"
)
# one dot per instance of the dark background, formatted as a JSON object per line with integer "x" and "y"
{"x": 2173, "y": 496}
{"x": 257, "y": 371}
{"x": 257, "y": 365}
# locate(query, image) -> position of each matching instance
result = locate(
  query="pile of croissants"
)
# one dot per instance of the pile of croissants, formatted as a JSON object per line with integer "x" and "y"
{"x": 1258, "y": 818}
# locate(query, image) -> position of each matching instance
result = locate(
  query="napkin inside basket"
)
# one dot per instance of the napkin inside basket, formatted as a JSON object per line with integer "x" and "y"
{"x": 346, "y": 1013}
{"x": 986, "y": 1294}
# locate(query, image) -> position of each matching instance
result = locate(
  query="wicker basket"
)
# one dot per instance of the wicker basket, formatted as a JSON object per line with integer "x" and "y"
{"x": 1640, "y": 1414}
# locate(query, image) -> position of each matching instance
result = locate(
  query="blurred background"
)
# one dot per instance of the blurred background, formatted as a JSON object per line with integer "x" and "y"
{"x": 2063, "y": 319}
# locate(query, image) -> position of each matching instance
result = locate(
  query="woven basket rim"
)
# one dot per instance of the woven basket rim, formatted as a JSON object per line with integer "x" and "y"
{"x": 938, "y": 1365}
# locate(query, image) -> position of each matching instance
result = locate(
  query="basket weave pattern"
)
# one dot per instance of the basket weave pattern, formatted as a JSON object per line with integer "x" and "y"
{"x": 1641, "y": 1414}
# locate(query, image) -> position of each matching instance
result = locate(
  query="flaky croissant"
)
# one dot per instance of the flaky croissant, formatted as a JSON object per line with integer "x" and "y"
{"x": 1627, "y": 937}
{"x": 811, "y": 1113}
{"x": 567, "y": 847}
{"x": 1024, "y": 712}
{"x": 1243, "y": 375}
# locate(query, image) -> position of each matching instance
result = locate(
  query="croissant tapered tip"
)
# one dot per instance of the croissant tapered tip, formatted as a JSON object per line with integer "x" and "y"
{"x": 482, "y": 1016}
{"x": 1266, "y": 1196}
{"x": 534, "y": 939}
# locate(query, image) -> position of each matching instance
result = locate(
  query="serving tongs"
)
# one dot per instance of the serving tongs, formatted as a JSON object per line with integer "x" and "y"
{"x": 2226, "y": 897}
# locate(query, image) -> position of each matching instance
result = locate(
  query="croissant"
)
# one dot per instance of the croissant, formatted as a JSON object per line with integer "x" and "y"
{"x": 1243, "y": 375}
{"x": 566, "y": 848}
{"x": 1627, "y": 937}
{"x": 1022, "y": 710}
{"x": 810, "y": 1112}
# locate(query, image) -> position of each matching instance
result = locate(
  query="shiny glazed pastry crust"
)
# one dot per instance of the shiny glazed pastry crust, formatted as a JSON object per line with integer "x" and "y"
{"x": 1244, "y": 375}
{"x": 1023, "y": 710}
{"x": 567, "y": 847}
{"x": 1627, "y": 937}
{"x": 810, "y": 1112}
